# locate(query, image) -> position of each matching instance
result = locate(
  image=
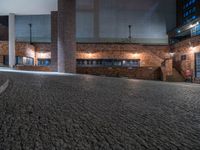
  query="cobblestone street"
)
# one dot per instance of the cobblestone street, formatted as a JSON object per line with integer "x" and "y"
{"x": 57, "y": 112}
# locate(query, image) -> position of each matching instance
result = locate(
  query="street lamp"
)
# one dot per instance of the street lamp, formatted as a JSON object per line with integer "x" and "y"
{"x": 130, "y": 32}
{"x": 30, "y": 25}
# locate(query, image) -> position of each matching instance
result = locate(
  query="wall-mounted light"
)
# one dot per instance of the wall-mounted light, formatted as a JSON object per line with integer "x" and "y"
{"x": 193, "y": 25}
{"x": 171, "y": 54}
{"x": 191, "y": 47}
{"x": 135, "y": 55}
{"x": 43, "y": 55}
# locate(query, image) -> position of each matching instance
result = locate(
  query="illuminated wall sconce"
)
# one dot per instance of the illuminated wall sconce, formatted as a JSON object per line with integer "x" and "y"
{"x": 195, "y": 24}
{"x": 89, "y": 54}
{"x": 44, "y": 55}
{"x": 171, "y": 54}
{"x": 192, "y": 48}
{"x": 30, "y": 52}
{"x": 135, "y": 55}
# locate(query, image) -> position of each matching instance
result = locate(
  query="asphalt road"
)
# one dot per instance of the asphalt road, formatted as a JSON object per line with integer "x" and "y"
{"x": 51, "y": 112}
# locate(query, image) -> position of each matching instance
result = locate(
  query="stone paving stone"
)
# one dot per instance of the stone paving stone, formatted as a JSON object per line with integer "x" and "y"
{"x": 46, "y": 112}
{"x": 3, "y": 79}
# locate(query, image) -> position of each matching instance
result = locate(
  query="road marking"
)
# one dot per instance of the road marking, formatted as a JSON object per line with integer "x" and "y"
{"x": 4, "y": 86}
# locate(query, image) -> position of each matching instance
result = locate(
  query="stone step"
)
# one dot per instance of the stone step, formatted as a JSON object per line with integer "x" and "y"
{"x": 176, "y": 77}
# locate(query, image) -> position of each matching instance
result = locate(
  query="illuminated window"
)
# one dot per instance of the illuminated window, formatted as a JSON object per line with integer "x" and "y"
{"x": 24, "y": 61}
{"x": 44, "y": 62}
{"x": 108, "y": 63}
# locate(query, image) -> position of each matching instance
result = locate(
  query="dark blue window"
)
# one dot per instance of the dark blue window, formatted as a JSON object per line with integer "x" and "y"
{"x": 44, "y": 62}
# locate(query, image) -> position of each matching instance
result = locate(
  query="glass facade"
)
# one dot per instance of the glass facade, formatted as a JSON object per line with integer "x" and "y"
{"x": 195, "y": 30}
{"x": 197, "y": 65}
{"x": 188, "y": 18}
{"x": 189, "y": 11}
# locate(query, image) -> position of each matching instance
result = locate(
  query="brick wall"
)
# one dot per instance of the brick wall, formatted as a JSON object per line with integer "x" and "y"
{"x": 188, "y": 48}
{"x": 147, "y": 73}
{"x": 66, "y": 36}
{"x": 25, "y": 50}
{"x": 1, "y": 60}
{"x": 151, "y": 57}
{"x": 34, "y": 68}
{"x": 54, "y": 35}
{"x": 22, "y": 49}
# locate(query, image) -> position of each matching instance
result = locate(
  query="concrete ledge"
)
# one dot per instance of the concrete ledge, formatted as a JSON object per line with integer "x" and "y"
{"x": 4, "y": 86}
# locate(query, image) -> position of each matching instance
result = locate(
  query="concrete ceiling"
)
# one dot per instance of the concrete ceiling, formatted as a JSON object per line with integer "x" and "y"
{"x": 27, "y": 7}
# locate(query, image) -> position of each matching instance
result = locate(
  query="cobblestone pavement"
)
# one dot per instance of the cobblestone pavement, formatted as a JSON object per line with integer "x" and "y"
{"x": 45, "y": 112}
{"x": 2, "y": 79}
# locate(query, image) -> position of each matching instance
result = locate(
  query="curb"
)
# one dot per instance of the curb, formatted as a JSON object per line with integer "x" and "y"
{"x": 4, "y": 86}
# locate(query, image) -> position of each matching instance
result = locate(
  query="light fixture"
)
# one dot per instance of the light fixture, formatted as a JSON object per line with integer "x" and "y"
{"x": 191, "y": 47}
{"x": 192, "y": 25}
{"x": 171, "y": 54}
{"x": 135, "y": 55}
{"x": 195, "y": 24}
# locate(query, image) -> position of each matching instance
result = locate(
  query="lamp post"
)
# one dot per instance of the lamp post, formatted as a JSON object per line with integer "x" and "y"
{"x": 30, "y": 25}
{"x": 130, "y": 32}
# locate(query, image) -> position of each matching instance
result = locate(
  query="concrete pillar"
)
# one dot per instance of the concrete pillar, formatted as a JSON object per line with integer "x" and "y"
{"x": 11, "y": 40}
{"x": 67, "y": 36}
{"x": 54, "y": 40}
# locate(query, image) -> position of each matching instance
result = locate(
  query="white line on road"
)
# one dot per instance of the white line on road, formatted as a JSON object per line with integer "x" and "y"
{"x": 4, "y": 86}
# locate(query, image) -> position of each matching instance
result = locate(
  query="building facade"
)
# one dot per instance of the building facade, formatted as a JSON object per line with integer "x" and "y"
{"x": 187, "y": 11}
{"x": 109, "y": 59}
{"x": 103, "y": 43}
{"x": 187, "y": 21}
{"x": 184, "y": 39}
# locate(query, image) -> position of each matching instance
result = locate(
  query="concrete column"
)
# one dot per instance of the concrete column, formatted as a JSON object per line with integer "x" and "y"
{"x": 67, "y": 36}
{"x": 11, "y": 40}
{"x": 54, "y": 40}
